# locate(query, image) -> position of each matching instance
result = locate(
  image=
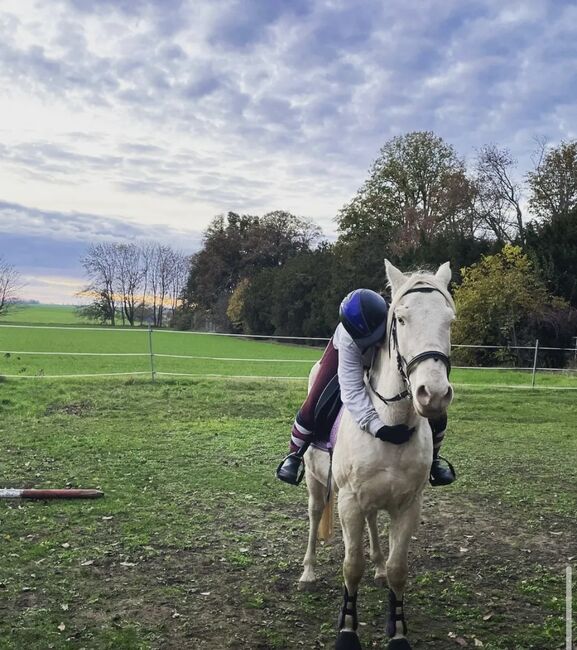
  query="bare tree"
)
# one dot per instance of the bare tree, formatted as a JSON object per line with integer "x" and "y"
{"x": 498, "y": 201}
{"x": 129, "y": 277}
{"x": 179, "y": 278}
{"x": 10, "y": 285}
{"x": 147, "y": 261}
{"x": 160, "y": 280}
{"x": 101, "y": 266}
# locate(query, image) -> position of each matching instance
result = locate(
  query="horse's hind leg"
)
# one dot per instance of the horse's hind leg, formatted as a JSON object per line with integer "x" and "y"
{"x": 403, "y": 524}
{"x": 317, "y": 494}
{"x": 377, "y": 555}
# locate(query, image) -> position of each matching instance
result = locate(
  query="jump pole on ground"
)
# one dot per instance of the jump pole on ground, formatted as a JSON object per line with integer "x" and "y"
{"x": 72, "y": 493}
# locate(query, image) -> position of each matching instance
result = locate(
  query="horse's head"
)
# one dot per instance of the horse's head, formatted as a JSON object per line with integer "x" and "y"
{"x": 420, "y": 335}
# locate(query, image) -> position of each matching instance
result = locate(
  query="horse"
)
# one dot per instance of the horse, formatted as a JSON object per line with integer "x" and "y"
{"x": 408, "y": 383}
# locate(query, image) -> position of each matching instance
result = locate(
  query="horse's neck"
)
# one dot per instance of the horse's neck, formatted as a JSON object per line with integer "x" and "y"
{"x": 388, "y": 382}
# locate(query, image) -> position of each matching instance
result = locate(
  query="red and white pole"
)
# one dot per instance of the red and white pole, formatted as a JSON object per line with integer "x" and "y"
{"x": 72, "y": 493}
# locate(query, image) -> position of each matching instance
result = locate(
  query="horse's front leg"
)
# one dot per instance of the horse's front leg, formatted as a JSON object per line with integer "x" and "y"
{"x": 317, "y": 492}
{"x": 376, "y": 554}
{"x": 353, "y": 524}
{"x": 403, "y": 524}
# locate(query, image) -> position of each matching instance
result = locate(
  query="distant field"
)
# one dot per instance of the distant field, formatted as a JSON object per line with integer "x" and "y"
{"x": 214, "y": 355}
{"x": 43, "y": 315}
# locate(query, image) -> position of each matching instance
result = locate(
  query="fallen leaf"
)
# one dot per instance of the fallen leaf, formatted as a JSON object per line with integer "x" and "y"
{"x": 205, "y": 593}
{"x": 488, "y": 616}
{"x": 107, "y": 518}
{"x": 62, "y": 627}
{"x": 463, "y": 549}
{"x": 65, "y": 545}
{"x": 128, "y": 564}
{"x": 87, "y": 563}
{"x": 175, "y": 614}
{"x": 478, "y": 643}
{"x": 64, "y": 607}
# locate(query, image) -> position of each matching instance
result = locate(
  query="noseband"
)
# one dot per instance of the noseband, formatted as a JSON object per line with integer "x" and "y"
{"x": 405, "y": 368}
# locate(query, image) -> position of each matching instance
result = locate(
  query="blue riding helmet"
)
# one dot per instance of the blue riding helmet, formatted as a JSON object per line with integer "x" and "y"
{"x": 363, "y": 314}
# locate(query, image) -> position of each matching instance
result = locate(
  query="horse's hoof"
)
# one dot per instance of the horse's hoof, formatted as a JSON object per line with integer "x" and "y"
{"x": 381, "y": 581}
{"x": 399, "y": 644}
{"x": 348, "y": 640}
{"x": 307, "y": 585}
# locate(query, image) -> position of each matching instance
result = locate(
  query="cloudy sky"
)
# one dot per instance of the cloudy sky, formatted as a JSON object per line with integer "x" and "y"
{"x": 143, "y": 119}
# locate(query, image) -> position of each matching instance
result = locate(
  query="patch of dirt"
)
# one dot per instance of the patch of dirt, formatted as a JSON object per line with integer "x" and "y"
{"x": 79, "y": 409}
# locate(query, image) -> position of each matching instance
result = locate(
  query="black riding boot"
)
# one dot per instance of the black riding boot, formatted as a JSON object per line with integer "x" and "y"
{"x": 288, "y": 470}
{"x": 442, "y": 472}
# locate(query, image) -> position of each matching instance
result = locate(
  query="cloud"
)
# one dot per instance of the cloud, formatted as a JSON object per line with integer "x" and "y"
{"x": 173, "y": 111}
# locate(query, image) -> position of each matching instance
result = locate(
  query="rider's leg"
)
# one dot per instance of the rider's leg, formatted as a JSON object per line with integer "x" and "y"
{"x": 442, "y": 473}
{"x": 302, "y": 430}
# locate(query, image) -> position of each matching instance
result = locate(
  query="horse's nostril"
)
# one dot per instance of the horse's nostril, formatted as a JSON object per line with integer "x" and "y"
{"x": 423, "y": 395}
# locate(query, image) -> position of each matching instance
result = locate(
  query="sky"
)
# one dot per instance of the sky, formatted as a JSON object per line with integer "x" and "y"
{"x": 124, "y": 120}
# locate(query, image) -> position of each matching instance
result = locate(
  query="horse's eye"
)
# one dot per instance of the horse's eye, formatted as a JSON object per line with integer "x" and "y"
{"x": 401, "y": 321}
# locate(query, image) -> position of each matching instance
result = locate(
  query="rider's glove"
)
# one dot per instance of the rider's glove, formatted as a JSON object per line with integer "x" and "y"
{"x": 397, "y": 434}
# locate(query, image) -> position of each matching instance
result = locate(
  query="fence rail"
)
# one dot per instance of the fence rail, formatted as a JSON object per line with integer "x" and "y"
{"x": 151, "y": 354}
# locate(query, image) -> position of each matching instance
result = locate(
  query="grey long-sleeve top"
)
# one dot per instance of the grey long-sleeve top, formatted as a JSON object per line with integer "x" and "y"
{"x": 354, "y": 395}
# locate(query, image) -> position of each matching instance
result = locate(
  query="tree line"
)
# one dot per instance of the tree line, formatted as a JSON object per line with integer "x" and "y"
{"x": 133, "y": 283}
{"x": 419, "y": 206}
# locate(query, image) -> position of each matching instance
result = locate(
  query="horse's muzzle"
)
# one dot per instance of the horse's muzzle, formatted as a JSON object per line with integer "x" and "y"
{"x": 432, "y": 403}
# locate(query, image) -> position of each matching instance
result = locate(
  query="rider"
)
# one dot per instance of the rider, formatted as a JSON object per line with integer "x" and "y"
{"x": 363, "y": 316}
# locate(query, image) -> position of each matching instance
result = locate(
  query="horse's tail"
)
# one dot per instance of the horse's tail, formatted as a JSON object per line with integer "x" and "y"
{"x": 326, "y": 524}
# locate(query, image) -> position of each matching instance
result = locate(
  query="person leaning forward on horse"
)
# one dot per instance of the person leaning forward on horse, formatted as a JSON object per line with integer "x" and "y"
{"x": 362, "y": 330}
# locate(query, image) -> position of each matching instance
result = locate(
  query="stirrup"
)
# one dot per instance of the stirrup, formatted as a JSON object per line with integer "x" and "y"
{"x": 300, "y": 476}
{"x": 434, "y": 482}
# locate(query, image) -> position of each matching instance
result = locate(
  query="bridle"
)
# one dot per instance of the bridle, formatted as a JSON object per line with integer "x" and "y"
{"x": 406, "y": 367}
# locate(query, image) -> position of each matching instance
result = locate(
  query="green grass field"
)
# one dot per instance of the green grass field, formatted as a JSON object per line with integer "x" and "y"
{"x": 215, "y": 355}
{"x": 43, "y": 315}
{"x": 196, "y": 545}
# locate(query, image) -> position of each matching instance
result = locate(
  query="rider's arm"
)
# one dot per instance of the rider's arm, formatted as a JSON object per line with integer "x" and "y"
{"x": 351, "y": 379}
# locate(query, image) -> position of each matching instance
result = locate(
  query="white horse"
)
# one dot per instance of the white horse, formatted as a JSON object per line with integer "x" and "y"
{"x": 409, "y": 383}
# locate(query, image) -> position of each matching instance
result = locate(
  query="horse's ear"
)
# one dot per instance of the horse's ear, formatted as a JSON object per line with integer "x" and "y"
{"x": 444, "y": 273}
{"x": 396, "y": 277}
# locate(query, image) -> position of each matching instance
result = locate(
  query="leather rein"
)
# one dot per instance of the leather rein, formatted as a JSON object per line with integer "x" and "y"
{"x": 405, "y": 368}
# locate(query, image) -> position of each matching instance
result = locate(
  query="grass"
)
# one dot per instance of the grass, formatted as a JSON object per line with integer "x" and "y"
{"x": 216, "y": 355}
{"x": 42, "y": 315}
{"x": 197, "y": 545}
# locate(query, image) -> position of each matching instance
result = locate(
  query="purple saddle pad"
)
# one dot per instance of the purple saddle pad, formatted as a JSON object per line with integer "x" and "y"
{"x": 329, "y": 445}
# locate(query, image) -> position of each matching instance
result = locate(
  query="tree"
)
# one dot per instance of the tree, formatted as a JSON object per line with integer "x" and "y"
{"x": 498, "y": 195}
{"x": 553, "y": 183}
{"x": 552, "y": 244}
{"x": 130, "y": 274}
{"x": 101, "y": 266}
{"x": 501, "y": 301}
{"x": 416, "y": 189}
{"x": 299, "y": 298}
{"x": 240, "y": 246}
{"x": 10, "y": 285}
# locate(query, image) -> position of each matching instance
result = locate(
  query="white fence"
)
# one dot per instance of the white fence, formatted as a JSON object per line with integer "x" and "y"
{"x": 152, "y": 356}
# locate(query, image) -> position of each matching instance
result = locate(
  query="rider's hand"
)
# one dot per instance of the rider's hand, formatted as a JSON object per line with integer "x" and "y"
{"x": 397, "y": 434}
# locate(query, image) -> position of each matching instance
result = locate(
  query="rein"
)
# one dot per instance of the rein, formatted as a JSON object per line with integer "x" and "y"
{"x": 405, "y": 368}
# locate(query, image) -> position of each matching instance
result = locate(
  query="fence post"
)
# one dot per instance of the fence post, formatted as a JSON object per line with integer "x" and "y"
{"x": 152, "y": 372}
{"x": 535, "y": 363}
